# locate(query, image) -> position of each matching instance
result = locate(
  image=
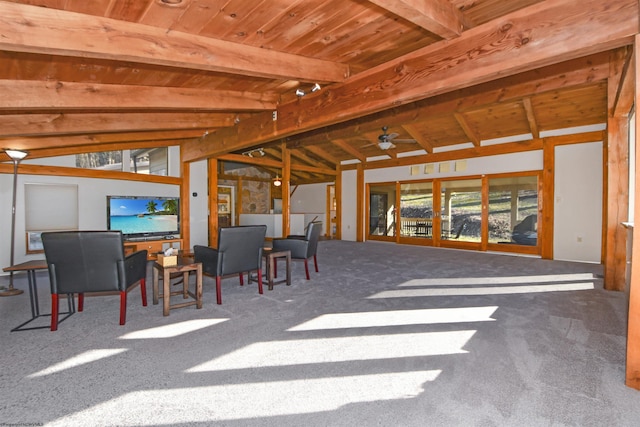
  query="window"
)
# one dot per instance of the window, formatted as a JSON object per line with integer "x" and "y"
{"x": 513, "y": 210}
{"x": 152, "y": 161}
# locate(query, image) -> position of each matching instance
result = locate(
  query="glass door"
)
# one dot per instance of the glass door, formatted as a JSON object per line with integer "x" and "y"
{"x": 382, "y": 209}
{"x": 416, "y": 210}
{"x": 513, "y": 213}
{"x": 461, "y": 212}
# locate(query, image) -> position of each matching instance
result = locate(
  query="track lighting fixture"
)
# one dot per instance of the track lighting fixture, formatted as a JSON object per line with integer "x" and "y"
{"x": 300, "y": 92}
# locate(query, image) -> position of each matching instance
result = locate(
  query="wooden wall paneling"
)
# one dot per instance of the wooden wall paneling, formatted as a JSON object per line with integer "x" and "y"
{"x": 633, "y": 326}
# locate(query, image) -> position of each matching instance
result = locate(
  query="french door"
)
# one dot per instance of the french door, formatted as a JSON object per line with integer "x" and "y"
{"x": 497, "y": 212}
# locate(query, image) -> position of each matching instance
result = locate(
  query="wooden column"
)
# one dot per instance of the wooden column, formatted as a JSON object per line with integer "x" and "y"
{"x": 548, "y": 187}
{"x": 286, "y": 190}
{"x": 616, "y": 170}
{"x": 212, "y": 173}
{"x": 633, "y": 326}
{"x": 338, "y": 194}
{"x": 185, "y": 223}
{"x": 360, "y": 203}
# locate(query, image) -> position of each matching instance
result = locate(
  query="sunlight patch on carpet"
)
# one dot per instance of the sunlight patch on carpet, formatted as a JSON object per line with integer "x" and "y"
{"x": 343, "y": 349}
{"x": 491, "y": 290}
{"x": 80, "y": 359}
{"x": 397, "y": 317}
{"x": 173, "y": 330}
{"x": 252, "y": 400}
{"x": 547, "y": 278}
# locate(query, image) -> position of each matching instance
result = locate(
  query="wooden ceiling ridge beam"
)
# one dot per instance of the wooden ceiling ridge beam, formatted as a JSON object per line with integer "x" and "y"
{"x": 35, "y": 29}
{"x": 440, "y": 17}
{"x": 536, "y": 36}
{"x": 42, "y": 124}
{"x": 37, "y": 95}
{"x": 581, "y": 71}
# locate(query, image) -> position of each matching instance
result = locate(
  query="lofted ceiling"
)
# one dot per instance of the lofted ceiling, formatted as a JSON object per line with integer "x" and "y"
{"x": 219, "y": 77}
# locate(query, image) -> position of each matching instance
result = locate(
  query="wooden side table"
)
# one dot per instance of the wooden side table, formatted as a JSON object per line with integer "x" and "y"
{"x": 271, "y": 258}
{"x": 184, "y": 267}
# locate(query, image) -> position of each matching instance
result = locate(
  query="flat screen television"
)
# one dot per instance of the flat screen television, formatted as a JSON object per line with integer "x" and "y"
{"x": 142, "y": 217}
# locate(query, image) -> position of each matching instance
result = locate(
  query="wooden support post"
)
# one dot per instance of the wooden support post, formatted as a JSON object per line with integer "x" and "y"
{"x": 360, "y": 203}
{"x": 633, "y": 326}
{"x": 286, "y": 195}
{"x": 212, "y": 166}
{"x": 185, "y": 224}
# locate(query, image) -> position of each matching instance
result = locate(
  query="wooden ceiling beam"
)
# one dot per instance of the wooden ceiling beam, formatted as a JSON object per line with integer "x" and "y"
{"x": 319, "y": 152}
{"x": 591, "y": 69}
{"x": 96, "y": 148}
{"x": 344, "y": 146}
{"x": 530, "y": 38}
{"x": 466, "y": 127}
{"x": 37, "y": 95}
{"x": 12, "y": 125}
{"x": 422, "y": 141}
{"x": 437, "y": 16}
{"x": 34, "y": 29}
{"x": 160, "y": 139}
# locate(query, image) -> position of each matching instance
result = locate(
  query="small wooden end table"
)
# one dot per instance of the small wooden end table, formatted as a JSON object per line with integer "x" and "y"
{"x": 184, "y": 266}
{"x": 271, "y": 258}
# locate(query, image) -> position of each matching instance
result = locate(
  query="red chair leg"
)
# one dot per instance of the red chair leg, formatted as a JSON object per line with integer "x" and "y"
{"x": 306, "y": 269}
{"x": 54, "y": 312}
{"x": 260, "y": 281}
{"x": 315, "y": 262}
{"x": 241, "y": 279}
{"x": 218, "y": 289}
{"x": 143, "y": 291}
{"x": 123, "y": 307}
{"x": 80, "y": 300}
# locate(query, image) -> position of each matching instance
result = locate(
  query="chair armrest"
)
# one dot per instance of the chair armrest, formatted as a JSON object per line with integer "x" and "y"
{"x": 135, "y": 266}
{"x": 297, "y": 247}
{"x": 208, "y": 257}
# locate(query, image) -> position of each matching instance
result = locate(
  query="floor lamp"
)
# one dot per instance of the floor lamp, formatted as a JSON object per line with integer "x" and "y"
{"x": 16, "y": 156}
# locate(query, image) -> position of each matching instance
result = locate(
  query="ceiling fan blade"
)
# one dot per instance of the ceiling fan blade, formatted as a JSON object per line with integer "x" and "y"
{"x": 405, "y": 140}
{"x": 392, "y": 135}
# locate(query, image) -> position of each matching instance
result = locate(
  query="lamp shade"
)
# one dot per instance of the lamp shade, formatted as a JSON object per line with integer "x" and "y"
{"x": 16, "y": 154}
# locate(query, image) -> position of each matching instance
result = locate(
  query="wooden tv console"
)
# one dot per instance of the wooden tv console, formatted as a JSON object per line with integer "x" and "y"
{"x": 152, "y": 246}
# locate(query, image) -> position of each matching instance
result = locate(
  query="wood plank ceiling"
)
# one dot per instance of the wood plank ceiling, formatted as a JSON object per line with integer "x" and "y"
{"x": 79, "y": 76}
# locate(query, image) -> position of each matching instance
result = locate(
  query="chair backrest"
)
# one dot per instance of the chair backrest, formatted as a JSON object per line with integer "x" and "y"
{"x": 85, "y": 261}
{"x": 241, "y": 248}
{"x": 313, "y": 235}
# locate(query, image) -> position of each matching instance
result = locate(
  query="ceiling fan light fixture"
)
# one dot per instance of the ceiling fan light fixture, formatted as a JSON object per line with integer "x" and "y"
{"x": 277, "y": 182}
{"x": 385, "y": 145}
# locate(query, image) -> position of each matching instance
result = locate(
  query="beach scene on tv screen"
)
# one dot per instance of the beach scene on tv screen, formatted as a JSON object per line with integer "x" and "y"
{"x": 134, "y": 216}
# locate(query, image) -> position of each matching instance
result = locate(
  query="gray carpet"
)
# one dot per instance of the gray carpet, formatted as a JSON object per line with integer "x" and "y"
{"x": 385, "y": 334}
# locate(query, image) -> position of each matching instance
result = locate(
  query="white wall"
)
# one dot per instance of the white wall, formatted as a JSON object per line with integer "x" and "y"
{"x": 92, "y": 200}
{"x": 349, "y": 193}
{"x": 199, "y": 205}
{"x": 578, "y": 174}
{"x": 578, "y": 202}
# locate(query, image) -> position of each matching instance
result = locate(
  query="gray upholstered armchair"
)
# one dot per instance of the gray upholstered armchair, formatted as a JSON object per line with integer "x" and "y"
{"x": 239, "y": 251}
{"x": 92, "y": 261}
{"x": 302, "y": 248}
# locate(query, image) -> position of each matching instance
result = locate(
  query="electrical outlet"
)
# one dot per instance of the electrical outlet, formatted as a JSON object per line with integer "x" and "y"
{"x": 274, "y": 115}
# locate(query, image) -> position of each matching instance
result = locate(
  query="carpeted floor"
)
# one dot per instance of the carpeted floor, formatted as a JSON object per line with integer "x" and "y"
{"x": 385, "y": 334}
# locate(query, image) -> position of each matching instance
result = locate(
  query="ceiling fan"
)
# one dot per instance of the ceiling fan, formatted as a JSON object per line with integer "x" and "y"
{"x": 387, "y": 140}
